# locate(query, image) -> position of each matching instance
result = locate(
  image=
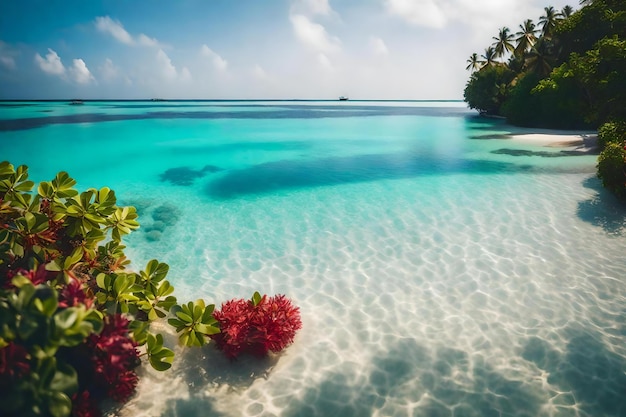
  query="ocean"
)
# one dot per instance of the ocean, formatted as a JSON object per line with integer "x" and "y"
{"x": 441, "y": 267}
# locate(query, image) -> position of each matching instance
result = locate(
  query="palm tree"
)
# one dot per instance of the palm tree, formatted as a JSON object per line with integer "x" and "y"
{"x": 526, "y": 38}
{"x": 516, "y": 63}
{"x": 473, "y": 63}
{"x": 489, "y": 58}
{"x": 539, "y": 59}
{"x": 548, "y": 22}
{"x": 503, "y": 43}
{"x": 567, "y": 11}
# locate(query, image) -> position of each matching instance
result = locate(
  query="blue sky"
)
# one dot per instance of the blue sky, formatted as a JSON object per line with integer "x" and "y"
{"x": 367, "y": 49}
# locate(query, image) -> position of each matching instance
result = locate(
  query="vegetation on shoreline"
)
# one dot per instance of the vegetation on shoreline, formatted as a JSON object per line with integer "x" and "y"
{"x": 568, "y": 72}
{"x": 75, "y": 323}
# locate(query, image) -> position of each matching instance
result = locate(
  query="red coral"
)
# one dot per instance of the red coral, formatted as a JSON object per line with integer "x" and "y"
{"x": 270, "y": 325}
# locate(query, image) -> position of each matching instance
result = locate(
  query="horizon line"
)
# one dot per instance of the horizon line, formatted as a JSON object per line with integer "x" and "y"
{"x": 226, "y": 99}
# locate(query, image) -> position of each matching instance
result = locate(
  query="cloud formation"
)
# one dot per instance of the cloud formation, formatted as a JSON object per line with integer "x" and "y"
{"x": 115, "y": 28}
{"x": 312, "y": 7}
{"x": 219, "y": 63}
{"x": 378, "y": 46}
{"x": 51, "y": 64}
{"x": 419, "y": 12}
{"x": 168, "y": 70}
{"x": 80, "y": 73}
{"x": 314, "y": 35}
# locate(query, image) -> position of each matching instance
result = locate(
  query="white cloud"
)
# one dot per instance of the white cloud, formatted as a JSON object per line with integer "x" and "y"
{"x": 185, "y": 74}
{"x": 325, "y": 62}
{"x": 108, "y": 70}
{"x": 80, "y": 73}
{"x": 314, "y": 35}
{"x": 378, "y": 46}
{"x": 169, "y": 71}
{"x": 218, "y": 62}
{"x": 320, "y": 7}
{"x": 51, "y": 64}
{"x": 115, "y": 28}
{"x": 419, "y": 12}
{"x": 146, "y": 41}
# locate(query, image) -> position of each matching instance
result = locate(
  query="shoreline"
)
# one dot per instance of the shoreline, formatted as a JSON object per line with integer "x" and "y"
{"x": 583, "y": 141}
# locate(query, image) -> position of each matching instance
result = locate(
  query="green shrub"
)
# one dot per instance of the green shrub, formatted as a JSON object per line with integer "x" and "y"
{"x": 611, "y": 168}
{"x": 611, "y": 132}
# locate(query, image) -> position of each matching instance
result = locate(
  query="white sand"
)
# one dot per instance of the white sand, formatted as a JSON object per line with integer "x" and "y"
{"x": 581, "y": 141}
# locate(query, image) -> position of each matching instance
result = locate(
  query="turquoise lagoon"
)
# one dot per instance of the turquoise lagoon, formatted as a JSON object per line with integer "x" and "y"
{"x": 441, "y": 267}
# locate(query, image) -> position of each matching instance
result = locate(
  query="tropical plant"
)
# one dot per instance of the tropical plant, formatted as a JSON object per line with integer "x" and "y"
{"x": 526, "y": 37}
{"x": 489, "y": 57}
{"x": 548, "y": 21}
{"x": 611, "y": 132}
{"x": 473, "y": 63}
{"x": 486, "y": 89}
{"x": 540, "y": 58}
{"x": 567, "y": 11}
{"x": 503, "y": 42}
{"x": 611, "y": 164}
{"x": 73, "y": 320}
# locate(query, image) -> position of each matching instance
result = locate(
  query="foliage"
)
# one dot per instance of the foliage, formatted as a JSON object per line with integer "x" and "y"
{"x": 611, "y": 168}
{"x": 487, "y": 88}
{"x": 72, "y": 317}
{"x": 570, "y": 76}
{"x": 611, "y": 132}
{"x": 256, "y": 326}
{"x": 194, "y": 321}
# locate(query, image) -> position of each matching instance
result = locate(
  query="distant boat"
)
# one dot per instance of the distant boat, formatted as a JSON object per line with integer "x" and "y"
{"x": 343, "y": 98}
{"x": 157, "y": 99}
{"x": 76, "y": 102}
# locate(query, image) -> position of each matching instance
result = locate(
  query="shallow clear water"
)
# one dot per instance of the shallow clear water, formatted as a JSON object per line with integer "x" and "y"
{"x": 441, "y": 269}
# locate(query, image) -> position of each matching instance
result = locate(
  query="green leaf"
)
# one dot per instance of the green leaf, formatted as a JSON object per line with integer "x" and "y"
{"x": 184, "y": 317}
{"x": 162, "y": 360}
{"x": 59, "y": 404}
{"x": 101, "y": 280}
{"x": 256, "y": 298}
{"x": 66, "y": 318}
{"x": 65, "y": 379}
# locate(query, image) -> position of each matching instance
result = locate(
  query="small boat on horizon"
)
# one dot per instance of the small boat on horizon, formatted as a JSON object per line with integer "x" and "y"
{"x": 343, "y": 98}
{"x": 76, "y": 102}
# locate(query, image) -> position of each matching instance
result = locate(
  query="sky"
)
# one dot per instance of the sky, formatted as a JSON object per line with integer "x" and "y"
{"x": 249, "y": 49}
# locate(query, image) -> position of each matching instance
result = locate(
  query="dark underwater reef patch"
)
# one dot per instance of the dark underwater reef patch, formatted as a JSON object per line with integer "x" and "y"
{"x": 186, "y": 176}
{"x": 294, "y": 174}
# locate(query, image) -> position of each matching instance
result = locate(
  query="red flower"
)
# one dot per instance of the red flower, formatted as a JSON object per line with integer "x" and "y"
{"x": 114, "y": 358}
{"x": 124, "y": 387}
{"x": 73, "y": 294}
{"x": 84, "y": 406}
{"x": 36, "y": 277}
{"x": 14, "y": 363}
{"x": 270, "y": 325}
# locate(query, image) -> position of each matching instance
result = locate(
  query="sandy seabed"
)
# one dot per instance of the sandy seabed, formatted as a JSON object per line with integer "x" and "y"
{"x": 418, "y": 302}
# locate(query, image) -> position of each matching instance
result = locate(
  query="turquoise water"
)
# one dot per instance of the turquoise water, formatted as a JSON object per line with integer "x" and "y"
{"x": 441, "y": 268}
